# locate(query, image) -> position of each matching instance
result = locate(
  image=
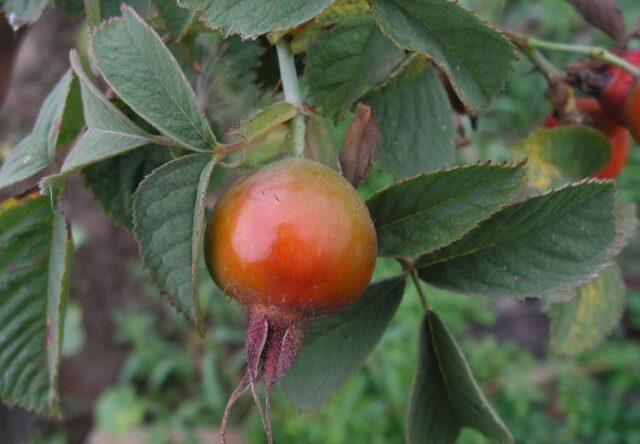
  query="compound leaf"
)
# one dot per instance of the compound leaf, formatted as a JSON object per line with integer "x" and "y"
{"x": 556, "y": 241}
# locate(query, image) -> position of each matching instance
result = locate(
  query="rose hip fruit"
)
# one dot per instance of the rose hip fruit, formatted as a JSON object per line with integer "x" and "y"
{"x": 295, "y": 238}
{"x": 632, "y": 112}
{"x": 617, "y": 134}
{"x": 618, "y": 85}
{"x": 289, "y": 242}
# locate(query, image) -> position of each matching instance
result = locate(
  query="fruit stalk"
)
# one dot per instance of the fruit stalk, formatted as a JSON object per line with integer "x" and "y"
{"x": 292, "y": 94}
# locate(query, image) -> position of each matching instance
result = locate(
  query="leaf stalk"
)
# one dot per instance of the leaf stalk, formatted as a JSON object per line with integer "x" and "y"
{"x": 421, "y": 294}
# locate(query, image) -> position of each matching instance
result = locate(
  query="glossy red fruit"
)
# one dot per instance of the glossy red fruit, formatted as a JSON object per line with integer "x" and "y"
{"x": 291, "y": 241}
{"x": 618, "y": 86}
{"x": 294, "y": 237}
{"x": 617, "y": 134}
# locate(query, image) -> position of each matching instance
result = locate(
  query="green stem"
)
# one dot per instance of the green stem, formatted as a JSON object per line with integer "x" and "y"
{"x": 594, "y": 52}
{"x": 525, "y": 43}
{"x": 416, "y": 282}
{"x": 292, "y": 94}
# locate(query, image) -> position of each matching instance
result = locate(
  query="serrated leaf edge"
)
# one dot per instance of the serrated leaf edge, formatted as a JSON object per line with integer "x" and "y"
{"x": 507, "y": 165}
{"x": 202, "y": 18}
{"x": 166, "y": 295}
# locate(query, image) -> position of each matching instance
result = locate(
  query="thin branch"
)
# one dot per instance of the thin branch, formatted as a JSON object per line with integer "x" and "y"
{"x": 541, "y": 63}
{"x": 527, "y": 43}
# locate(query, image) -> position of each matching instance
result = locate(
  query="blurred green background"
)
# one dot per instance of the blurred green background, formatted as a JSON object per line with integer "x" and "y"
{"x": 173, "y": 386}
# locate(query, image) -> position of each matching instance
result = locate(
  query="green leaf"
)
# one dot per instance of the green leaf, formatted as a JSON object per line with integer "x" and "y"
{"x": 270, "y": 146}
{"x": 346, "y": 59}
{"x": 335, "y": 346}
{"x": 232, "y": 76}
{"x": 445, "y": 396}
{"x": 109, "y": 132}
{"x": 250, "y": 18}
{"x": 477, "y": 59}
{"x": 60, "y": 256}
{"x": 36, "y": 151}
{"x": 168, "y": 218}
{"x": 265, "y": 120}
{"x": 177, "y": 19}
{"x": 112, "y": 8}
{"x": 73, "y": 117}
{"x": 318, "y": 144}
{"x": 547, "y": 243}
{"x": 266, "y": 137}
{"x": 114, "y": 181}
{"x": 142, "y": 71}
{"x": 416, "y": 120}
{"x": 34, "y": 270}
{"x": 430, "y": 211}
{"x": 595, "y": 310}
{"x": 23, "y": 12}
{"x": 564, "y": 154}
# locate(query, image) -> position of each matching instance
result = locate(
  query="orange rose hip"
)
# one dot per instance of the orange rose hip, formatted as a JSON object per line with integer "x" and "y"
{"x": 291, "y": 241}
{"x": 295, "y": 237}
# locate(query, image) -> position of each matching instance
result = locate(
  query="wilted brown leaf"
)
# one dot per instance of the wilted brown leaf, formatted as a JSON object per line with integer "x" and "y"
{"x": 604, "y": 15}
{"x": 360, "y": 145}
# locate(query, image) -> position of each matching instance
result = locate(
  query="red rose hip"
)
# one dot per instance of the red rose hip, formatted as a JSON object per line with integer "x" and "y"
{"x": 294, "y": 237}
{"x": 619, "y": 83}
{"x": 291, "y": 241}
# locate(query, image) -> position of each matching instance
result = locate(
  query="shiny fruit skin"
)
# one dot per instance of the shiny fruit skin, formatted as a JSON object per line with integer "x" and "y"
{"x": 619, "y": 84}
{"x": 293, "y": 237}
{"x": 617, "y": 134}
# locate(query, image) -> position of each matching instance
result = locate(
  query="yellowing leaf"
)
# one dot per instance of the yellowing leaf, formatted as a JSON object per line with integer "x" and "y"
{"x": 561, "y": 155}
{"x": 595, "y": 310}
